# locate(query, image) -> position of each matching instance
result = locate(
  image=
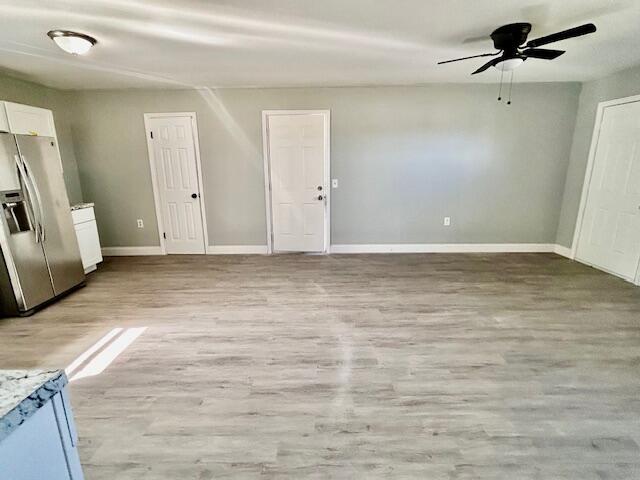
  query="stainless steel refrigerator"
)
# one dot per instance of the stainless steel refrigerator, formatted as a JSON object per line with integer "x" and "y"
{"x": 40, "y": 258}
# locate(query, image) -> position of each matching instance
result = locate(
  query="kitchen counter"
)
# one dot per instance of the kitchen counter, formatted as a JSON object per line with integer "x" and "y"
{"x": 80, "y": 206}
{"x": 23, "y": 392}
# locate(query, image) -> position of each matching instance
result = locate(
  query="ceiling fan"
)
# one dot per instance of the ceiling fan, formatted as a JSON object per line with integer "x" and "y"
{"x": 511, "y": 42}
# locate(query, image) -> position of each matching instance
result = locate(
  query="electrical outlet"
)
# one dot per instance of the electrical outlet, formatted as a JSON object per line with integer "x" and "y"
{"x": 447, "y": 221}
{"x": 334, "y": 183}
{"x": 140, "y": 223}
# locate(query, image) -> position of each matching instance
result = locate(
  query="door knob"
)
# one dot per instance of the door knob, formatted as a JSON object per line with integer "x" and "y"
{"x": 319, "y": 188}
{"x": 320, "y": 197}
{"x": 194, "y": 195}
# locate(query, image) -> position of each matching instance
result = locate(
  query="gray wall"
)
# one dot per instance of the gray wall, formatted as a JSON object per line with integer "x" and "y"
{"x": 19, "y": 91}
{"x": 405, "y": 158}
{"x": 619, "y": 85}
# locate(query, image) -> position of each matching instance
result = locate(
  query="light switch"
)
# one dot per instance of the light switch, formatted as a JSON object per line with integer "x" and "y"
{"x": 447, "y": 221}
{"x": 334, "y": 183}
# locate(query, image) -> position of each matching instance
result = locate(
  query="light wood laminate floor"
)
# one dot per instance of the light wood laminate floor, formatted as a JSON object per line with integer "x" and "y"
{"x": 513, "y": 366}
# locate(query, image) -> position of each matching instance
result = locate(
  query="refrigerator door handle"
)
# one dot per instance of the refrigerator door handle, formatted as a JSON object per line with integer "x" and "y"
{"x": 39, "y": 200}
{"x": 27, "y": 185}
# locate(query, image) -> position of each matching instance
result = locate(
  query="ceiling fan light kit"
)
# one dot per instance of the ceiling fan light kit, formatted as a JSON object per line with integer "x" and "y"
{"x": 513, "y": 50}
{"x": 510, "y": 64}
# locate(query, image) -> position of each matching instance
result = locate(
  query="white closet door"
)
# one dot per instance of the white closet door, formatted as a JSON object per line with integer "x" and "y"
{"x": 178, "y": 187}
{"x": 296, "y": 154}
{"x": 610, "y": 233}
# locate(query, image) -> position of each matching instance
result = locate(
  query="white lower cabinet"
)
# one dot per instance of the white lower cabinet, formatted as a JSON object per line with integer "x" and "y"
{"x": 84, "y": 221}
{"x": 44, "y": 446}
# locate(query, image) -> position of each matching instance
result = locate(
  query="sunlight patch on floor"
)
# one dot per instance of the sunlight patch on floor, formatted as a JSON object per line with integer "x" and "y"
{"x": 108, "y": 347}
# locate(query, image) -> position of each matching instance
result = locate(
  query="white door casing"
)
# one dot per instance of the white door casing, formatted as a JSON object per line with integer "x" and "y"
{"x": 297, "y": 173}
{"x": 175, "y": 168}
{"x": 609, "y": 234}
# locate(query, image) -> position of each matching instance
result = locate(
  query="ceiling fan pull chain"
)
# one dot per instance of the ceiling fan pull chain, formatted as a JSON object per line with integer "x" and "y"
{"x": 510, "y": 88}
{"x": 500, "y": 91}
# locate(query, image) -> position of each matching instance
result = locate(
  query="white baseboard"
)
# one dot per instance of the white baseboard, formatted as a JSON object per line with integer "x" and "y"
{"x": 130, "y": 251}
{"x": 211, "y": 250}
{"x": 367, "y": 248}
{"x": 237, "y": 250}
{"x": 563, "y": 251}
{"x": 446, "y": 248}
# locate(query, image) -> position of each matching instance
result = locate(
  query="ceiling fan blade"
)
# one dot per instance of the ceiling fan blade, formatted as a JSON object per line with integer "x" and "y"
{"x": 565, "y": 34}
{"x": 490, "y": 63}
{"x": 467, "y": 58}
{"x": 543, "y": 53}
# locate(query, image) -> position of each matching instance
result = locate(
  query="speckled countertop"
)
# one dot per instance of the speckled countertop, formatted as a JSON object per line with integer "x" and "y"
{"x": 78, "y": 206}
{"x": 23, "y": 392}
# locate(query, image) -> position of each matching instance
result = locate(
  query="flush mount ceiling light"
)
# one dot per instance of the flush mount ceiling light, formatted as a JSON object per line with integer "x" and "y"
{"x": 72, "y": 42}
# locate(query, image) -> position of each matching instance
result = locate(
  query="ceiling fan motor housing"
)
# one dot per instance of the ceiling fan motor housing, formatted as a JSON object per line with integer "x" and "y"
{"x": 509, "y": 37}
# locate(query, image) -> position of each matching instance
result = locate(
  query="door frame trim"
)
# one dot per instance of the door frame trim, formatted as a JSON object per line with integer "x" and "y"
{"x": 589, "y": 171}
{"x": 267, "y": 172}
{"x": 154, "y": 178}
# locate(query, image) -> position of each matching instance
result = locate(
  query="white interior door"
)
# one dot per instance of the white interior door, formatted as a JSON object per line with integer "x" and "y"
{"x": 610, "y": 233}
{"x": 297, "y": 157}
{"x": 177, "y": 183}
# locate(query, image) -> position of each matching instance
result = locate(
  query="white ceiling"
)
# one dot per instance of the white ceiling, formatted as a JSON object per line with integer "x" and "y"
{"x": 219, "y": 43}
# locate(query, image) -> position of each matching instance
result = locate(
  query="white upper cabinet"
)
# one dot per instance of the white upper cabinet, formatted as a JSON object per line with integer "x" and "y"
{"x": 26, "y": 120}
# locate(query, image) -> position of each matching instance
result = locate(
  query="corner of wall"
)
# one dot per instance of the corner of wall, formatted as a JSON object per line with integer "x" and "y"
{"x": 561, "y": 238}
